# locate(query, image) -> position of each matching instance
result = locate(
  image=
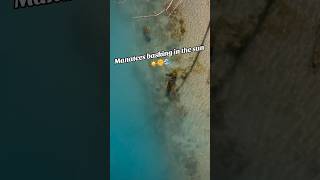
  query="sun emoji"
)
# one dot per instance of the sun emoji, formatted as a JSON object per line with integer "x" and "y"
{"x": 160, "y": 62}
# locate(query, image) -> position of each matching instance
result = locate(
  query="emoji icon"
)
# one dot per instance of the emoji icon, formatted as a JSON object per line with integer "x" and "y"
{"x": 153, "y": 64}
{"x": 160, "y": 62}
{"x": 166, "y": 62}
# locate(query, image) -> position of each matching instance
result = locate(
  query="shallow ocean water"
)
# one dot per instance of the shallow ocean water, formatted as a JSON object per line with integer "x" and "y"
{"x": 135, "y": 149}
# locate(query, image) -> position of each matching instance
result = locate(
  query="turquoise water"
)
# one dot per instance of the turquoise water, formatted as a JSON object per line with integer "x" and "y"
{"x": 135, "y": 151}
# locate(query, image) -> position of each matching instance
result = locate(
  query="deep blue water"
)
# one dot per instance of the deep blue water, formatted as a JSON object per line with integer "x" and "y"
{"x": 135, "y": 151}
